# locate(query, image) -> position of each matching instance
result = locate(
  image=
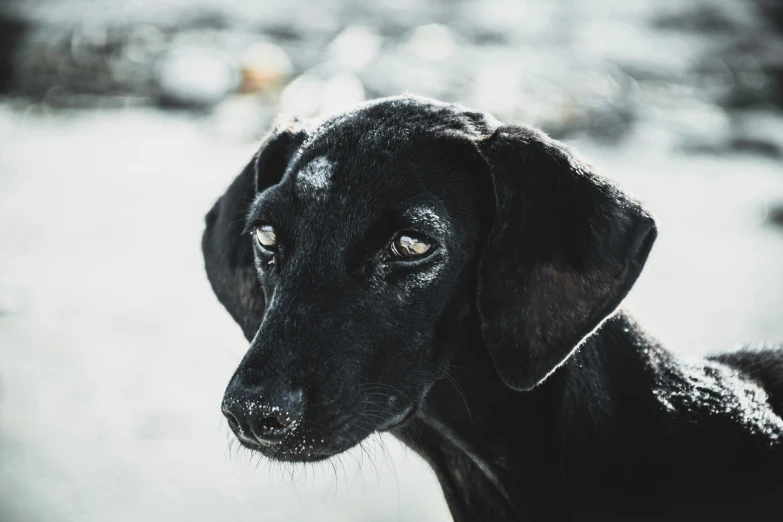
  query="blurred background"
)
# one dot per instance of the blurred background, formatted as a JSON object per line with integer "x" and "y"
{"x": 121, "y": 121}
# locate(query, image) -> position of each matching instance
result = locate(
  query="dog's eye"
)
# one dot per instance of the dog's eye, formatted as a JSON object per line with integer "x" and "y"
{"x": 409, "y": 246}
{"x": 266, "y": 236}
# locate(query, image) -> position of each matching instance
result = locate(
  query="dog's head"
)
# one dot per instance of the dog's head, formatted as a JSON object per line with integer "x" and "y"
{"x": 354, "y": 253}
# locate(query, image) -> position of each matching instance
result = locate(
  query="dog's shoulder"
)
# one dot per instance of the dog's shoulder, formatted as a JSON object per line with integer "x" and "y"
{"x": 735, "y": 396}
{"x": 691, "y": 430}
{"x": 726, "y": 395}
{"x": 716, "y": 395}
{"x": 761, "y": 364}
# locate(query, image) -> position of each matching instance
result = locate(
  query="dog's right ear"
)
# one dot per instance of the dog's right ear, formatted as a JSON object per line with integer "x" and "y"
{"x": 565, "y": 248}
{"x": 228, "y": 255}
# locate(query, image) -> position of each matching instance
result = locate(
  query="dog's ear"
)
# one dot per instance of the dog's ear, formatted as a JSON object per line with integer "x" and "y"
{"x": 564, "y": 249}
{"x": 228, "y": 255}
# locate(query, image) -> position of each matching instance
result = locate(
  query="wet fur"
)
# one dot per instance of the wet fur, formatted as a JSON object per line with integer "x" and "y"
{"x": 534, "y": 399}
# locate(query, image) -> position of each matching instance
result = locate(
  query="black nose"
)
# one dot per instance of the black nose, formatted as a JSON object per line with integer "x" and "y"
{"x": 258, "y": 421}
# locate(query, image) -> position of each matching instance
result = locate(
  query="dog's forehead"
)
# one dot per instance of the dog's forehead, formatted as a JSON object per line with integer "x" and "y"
{"x": 363, "y": 185}
{"x": 315, "y": 177}
{"x": 343, "y": 195}
{"x": 373, "y": 162}
{"x": 383, "y": 160}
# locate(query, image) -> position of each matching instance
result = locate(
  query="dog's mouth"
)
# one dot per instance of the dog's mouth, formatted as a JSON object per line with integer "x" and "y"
{"x": 313, "y": 445}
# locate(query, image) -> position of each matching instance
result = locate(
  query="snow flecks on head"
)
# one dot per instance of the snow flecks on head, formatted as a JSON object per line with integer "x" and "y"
{"x": 428, "y": 216}
{"x": 315, "y": 177}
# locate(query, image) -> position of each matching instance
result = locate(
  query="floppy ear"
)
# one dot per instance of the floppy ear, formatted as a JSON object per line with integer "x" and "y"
{"x": 564, "y": 249}
{"x": 228, "y": 256}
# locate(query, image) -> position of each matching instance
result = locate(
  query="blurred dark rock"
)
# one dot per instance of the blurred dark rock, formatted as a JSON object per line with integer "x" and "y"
{"x": 775, "y": 214}
{"x": 758, "y": 132}
{"x": 708, "y": 18}
{"x": 772, "y": 12}
{"x": 756, "y": 146}
{"x": 12, "y": 32}
{"x": 757, "y": 68}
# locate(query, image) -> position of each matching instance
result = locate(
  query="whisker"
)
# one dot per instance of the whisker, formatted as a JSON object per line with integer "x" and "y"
{"x": 464, "y": 401}
{"x": 372, "y": 462}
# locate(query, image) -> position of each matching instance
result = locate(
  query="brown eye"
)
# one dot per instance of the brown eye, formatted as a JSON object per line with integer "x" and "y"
{"x": 266, "y": 236}
{"x": 408, "y": 246}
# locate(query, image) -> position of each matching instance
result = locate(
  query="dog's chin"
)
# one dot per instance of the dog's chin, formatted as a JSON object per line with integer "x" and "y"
{"x": 298, "y": 451}
{"x": 315, "y": 448}
{"x": 283, "y": 455}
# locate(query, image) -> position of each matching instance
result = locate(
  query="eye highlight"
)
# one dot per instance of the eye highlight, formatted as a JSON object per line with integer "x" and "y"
{"x": 410, "y": 246}
{"x": 266, "y": 237}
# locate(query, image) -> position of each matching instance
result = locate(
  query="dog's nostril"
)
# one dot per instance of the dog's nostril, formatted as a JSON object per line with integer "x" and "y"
{"x": 272, "y": 428}
{"x": 271, "y": 424}
{"x": 233, "y": 423}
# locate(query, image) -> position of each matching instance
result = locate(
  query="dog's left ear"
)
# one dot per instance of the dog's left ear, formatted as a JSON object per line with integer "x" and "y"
{"x": 228, "y": 256}
{"x": 564, "y": 249}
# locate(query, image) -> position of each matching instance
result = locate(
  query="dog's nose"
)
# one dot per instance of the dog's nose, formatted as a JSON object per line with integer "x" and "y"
{"x": 258, "y": 421}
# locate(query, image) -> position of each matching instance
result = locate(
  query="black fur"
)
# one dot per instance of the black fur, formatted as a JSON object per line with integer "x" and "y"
{"x": 500, "y": 358}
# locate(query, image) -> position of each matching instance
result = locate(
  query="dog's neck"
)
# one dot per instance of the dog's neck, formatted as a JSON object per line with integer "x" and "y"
{"x": 495, "y": 450}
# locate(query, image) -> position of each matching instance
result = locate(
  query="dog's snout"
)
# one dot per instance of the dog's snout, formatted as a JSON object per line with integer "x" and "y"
{"x": 257, "y": 420}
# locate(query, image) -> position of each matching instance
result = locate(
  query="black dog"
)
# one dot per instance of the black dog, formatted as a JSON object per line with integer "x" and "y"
{"x": 391, "y": 259}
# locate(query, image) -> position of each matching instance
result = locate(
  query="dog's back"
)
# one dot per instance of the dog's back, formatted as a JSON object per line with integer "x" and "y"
{"x": 762, "y": 364}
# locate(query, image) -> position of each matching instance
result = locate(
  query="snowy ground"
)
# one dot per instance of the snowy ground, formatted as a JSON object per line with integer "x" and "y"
{"x": 114, "y": 352}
